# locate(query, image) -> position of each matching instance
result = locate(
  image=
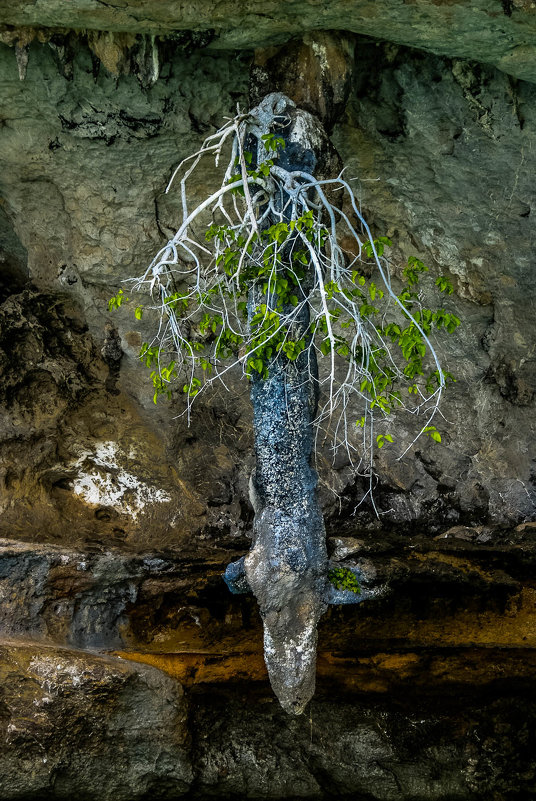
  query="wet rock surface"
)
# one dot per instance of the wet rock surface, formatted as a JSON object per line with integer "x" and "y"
{"x": 128, "y": 731}
{"x": 360, "y": 748}
{"x": 79, "y": 461}
{"x": 451, "y": 593}
{"x": 424, "y": 692}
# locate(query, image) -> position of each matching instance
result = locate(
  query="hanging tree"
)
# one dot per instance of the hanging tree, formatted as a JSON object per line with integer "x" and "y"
{"x": 268, "y": 289}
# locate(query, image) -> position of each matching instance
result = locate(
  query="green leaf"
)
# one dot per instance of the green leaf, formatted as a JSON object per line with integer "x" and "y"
{"x": 432, "y": 432}
{"x": 344, "y": 579}
{"x": 444, "y": 284}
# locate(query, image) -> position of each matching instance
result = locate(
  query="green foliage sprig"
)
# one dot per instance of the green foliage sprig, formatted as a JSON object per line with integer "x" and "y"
{"x": 344, "y": 579}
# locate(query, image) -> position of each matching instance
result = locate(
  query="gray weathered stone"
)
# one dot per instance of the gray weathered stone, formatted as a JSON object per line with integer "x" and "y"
{"x": 77, "y": 725}
{"x": 502, "y": 32}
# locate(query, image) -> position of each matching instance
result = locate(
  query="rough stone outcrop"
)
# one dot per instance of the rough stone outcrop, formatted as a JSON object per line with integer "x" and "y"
{"x": 77, "y": 725}
{"x": 415, "y": 149}
{"x": 469, "y": 588}
{"x": 499, "y": 32}
{"x": 424, "y": 691}
{"x": 79, "y": 461}
{"x": 367, "y": 747}
{"x": 420, "y": 133}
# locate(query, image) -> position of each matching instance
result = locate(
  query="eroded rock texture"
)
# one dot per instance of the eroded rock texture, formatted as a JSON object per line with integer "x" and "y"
{"x": 118, "y": 519}
{"x": 99, "y": 727}
{"x": 501, "y": 32}
{"x": 426, "y": 693}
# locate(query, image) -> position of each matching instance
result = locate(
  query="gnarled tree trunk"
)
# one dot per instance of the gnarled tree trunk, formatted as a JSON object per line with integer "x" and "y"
{"x": 287, "y": 565}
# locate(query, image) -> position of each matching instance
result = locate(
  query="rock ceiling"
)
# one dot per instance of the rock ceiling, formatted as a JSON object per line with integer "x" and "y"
{"x": 497, "y": 32}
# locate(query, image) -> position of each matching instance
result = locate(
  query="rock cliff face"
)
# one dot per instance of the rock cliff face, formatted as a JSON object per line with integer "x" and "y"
{"x": 500, "y": 32}
{"x": 118, "y": 519}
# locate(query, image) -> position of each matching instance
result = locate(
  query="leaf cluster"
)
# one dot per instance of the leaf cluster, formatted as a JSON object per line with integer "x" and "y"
{"x": 344, "y": 579}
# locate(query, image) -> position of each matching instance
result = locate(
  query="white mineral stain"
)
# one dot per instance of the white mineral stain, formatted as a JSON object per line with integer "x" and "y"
{"x": 52, "y": 673}
{"x": 114, "y": 486}
{"x": 106, "y": 454}
{"x": 321, "y": 53}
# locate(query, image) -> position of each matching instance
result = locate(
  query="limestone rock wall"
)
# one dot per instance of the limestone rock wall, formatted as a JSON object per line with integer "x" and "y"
{"x": 118, "y": 518}
{"x": 99, "y": 728}
{"x": 443, "y": 157}
{"x": 443, "y": 153}
{"x": 500, "y": 32}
